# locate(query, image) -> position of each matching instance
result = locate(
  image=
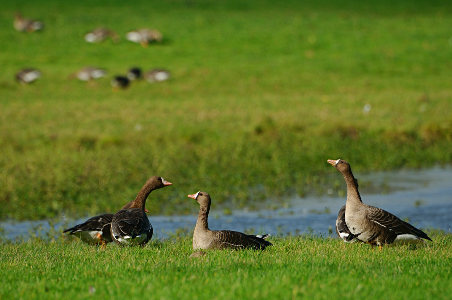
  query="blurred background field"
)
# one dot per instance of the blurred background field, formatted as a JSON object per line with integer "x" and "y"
{"x": 262, "y": 93}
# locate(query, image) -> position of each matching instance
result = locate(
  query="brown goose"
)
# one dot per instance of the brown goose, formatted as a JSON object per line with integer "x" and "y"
{"x": 204, "y": 238}
{"x": 95, "y": 230}
{"x": 368, "y": 223}
{"x": 25, "y": 25}
{"x": 131, "y": 226}
{"x": 341, "y": 227}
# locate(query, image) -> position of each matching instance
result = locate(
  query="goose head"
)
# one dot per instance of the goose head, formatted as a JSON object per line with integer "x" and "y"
{"x": 341, "y": 165}
{"x": 201, "y": 197}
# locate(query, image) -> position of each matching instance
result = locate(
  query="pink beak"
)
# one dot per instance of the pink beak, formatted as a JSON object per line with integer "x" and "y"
{"x": 165, "y": 183}
{"x": 193, "y": 196}
{"x": 332, "y": 162}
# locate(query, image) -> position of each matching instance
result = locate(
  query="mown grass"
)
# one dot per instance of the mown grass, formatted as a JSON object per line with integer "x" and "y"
{"x": 262, "y": 94}
{"x": 295, "y": 267}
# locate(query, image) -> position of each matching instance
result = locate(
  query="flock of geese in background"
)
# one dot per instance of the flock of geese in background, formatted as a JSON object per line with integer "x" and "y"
{"x": 356, "y": 222}
{"x": 141, "y": 36}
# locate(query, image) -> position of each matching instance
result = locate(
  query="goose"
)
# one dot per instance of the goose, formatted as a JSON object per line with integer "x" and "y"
{"x": 100, "y": 34}
{"x": 28, "y": 75}
{"x": 120, "y": 82}
{"x": 144, "y": 36}
{"x": 371, "y": 224}
{"x": 95, "y": 230}
{"x": 204, "y": 238}
{"x": 341, "y": 227}
{"x": 25, "y": 25}
{"x": 157, "y": 75}
{"x": 131, "y": 226}
{"x": 134, "y": 73}
{"x": 90, "y": 73}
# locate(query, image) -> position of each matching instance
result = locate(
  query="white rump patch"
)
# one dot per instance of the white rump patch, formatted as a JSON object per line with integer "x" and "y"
{"x": 31, "y": 76}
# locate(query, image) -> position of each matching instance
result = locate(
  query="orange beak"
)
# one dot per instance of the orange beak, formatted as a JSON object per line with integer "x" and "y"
{"x": 146, "y": 211}
{"x": 332, "y": 162}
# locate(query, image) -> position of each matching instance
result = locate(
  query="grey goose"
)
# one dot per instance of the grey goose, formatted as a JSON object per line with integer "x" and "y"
{"x": 131, "y": 226}
{"x": 204, "y": 238}
{"x": 89, "y": 73}
{"x": 371, "y": 224}
{"x": 157, "y": 75}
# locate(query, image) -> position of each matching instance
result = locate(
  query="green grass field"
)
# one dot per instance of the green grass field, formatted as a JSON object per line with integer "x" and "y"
{"x": 262, "y": 94}
{"x": 295, "y": 267}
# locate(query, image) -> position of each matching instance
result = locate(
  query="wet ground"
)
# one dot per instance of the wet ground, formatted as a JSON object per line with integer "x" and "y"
{"x": 423, "y": 197}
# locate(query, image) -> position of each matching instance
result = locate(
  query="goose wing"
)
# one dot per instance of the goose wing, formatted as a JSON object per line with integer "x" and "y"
{"x": 130, "y": 222}
{"x": 341, "y": 227}
{"x": 96, "y": 223}
{"x": 238, "y": 240}
{"x": 390, "y": 222}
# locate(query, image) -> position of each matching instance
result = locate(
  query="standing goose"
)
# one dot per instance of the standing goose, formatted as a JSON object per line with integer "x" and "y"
{"x": 341, "y": 227}
{"x": 204, "y": 238}
{"x": 371, "y": 224}
{"x": 131, "y": 226}
{"x": 95, "y": 230}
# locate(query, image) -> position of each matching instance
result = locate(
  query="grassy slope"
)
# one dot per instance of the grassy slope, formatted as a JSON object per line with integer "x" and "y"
{"x": 311, "y": 267}
{"x": 263, "y": 93}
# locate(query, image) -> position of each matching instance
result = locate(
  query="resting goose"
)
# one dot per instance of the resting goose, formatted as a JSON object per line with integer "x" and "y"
{"x": 28, "y": 75}
{"x": 25, "y": 25}
{"x": 371, "y": 224}
{"x": 341, "y": 227}
{"x": 100, "y": 34}
{"x": 134, "y": 73}
{"x": 204, "y": 238}
{"x": 131, "y": 226}
{"x": 90, "y": 73}
{"x": 157, "y": 75}
{"x": 120, "y": 82}
{"x": 95, "y": 230}
{"x": 144, "y": 36}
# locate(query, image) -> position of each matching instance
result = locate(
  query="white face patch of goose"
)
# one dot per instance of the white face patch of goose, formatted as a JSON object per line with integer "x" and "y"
{"x": 197, "y": 194}
{"x": 337, "y": 161}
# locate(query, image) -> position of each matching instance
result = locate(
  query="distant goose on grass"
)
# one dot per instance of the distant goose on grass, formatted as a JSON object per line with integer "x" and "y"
{"x": 204, "y": 238}
{"x": 131, "y": 226}
{"x": 25, "y": 25}
{"x": 120, "y": 82}
{"x": 341, "y": 227}
{"x": 90, "y": 73}
{"x": 370, "y": 224}
{"x": 144, "y": 36}
{"x": 157, "y": 75}
{"x": 134, "y": 73}
{"x": 100, "y": 34}
{"x": 28, "y": 75}
{"x": 95, "y": 230}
